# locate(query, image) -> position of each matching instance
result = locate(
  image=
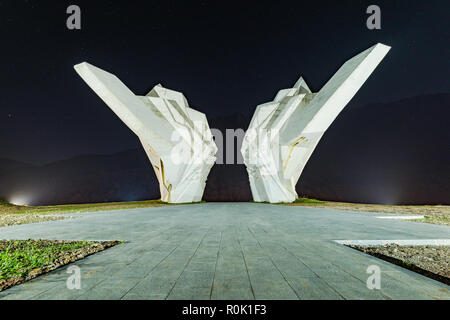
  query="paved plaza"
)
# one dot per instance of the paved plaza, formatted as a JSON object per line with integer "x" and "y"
{"x": 229, "y": 251}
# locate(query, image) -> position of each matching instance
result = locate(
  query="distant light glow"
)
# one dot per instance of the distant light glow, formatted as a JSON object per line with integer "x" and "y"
{"x": 19, "y": 200}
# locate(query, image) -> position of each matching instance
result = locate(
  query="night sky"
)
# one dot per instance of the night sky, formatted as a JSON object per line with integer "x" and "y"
{"x": 225, "y": 57}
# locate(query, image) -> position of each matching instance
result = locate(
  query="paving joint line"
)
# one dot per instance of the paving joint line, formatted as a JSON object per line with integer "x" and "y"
{"x": 161, "y": 261}
{"x": 215, "y": 267}
{"x": 306, "y": 265}
{"x": 187, "y": 263}
{"x": 273, "y": 263}
{"x": 246, "y": 269}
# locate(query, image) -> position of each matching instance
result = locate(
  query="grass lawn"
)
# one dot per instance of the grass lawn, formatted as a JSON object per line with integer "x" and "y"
{"x": 22, "y": 260}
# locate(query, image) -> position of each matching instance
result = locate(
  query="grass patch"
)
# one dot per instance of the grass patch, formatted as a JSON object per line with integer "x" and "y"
{"x": 435, "y": 219}
{"x": 180, "y": 203}
{"x": 19, "y": 257}
{"x": 298, "y": 200}
{"x": 307, "y": 200}
{"x": 22, "y": 260}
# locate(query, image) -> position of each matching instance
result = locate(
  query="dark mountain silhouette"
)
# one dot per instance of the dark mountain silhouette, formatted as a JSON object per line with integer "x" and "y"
{"x": 10, "y": 164}
{"x": 405, "y": 162}
{"x": 122, "y": 176}
{"x": 385, "y": 153}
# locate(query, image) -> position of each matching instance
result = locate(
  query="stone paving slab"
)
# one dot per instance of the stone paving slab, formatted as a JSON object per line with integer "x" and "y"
{"x": 229, "y": 251}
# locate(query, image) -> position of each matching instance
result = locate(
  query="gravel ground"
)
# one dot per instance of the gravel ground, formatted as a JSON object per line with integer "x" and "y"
{"x": 12, "y": 219}
{"x": 11, "y": 214}
{"x": 60, "y": 259}
{"x": 431, "y": 261}
{"x": 436, "y": 214}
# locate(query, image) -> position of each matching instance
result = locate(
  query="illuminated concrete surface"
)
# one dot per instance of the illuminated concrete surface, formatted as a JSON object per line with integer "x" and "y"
{"x": 283, "y": 133}
{"x": 229, "y": 251}
{"x": 175, "y": 137}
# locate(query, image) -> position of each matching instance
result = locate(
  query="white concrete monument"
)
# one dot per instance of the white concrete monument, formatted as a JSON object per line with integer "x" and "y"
{"x": 176, "y": 138}
{"x": 283, "y": 133}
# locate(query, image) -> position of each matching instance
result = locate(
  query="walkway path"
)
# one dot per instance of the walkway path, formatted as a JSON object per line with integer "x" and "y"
{"x": 229, "y": 251}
